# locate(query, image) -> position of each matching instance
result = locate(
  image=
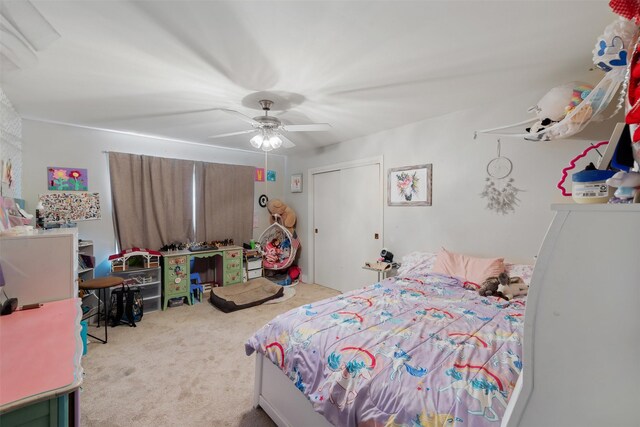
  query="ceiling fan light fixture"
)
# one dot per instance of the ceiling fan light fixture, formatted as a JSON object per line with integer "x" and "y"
{"x": 257, "y": 141}
{"x": 275, "y": 142}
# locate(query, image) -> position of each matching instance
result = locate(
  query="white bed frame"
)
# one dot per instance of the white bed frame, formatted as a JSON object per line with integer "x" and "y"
{"x": 281, "y": 400}
{"x": 585, "y": 285}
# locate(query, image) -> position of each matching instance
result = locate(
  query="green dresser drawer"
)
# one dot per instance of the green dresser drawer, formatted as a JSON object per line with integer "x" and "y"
{"x": 233, "y": 254}
{"x": 177, "y": 288}
{"x": 232, "y": 264}
{"x": 231, "y": 277}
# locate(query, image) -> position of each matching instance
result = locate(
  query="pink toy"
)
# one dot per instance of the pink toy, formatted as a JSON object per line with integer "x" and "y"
{"x": 272, "y": 251}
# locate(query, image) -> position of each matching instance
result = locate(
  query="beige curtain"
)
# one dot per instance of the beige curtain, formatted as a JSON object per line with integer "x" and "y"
{"x": 224, "y": 202}
{"x": 152, "y": 200}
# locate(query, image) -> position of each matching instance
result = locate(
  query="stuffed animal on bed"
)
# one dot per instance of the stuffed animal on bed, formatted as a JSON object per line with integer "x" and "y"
{"x": 490, "y": 288}
{"x": 511, "y": 287}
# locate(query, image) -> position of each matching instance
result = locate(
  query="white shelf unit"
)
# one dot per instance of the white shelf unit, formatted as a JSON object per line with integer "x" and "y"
{"x": 85, "y": 251}
{"x": 150, "y": 284}
{"x": 254, "y": 267}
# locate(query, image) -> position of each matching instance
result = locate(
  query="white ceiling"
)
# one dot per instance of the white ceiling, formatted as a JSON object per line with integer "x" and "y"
{"x": 159, "y": 67}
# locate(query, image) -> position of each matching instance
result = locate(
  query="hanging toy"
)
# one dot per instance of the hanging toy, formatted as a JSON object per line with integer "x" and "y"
{"x": 501, "y": 197}
{"x": 567, "y": 109}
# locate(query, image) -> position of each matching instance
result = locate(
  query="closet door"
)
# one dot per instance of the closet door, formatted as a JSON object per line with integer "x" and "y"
{"x": 326, "y": 229}
{"x": 361, "y": 227}
{"x": 347, "y": 216}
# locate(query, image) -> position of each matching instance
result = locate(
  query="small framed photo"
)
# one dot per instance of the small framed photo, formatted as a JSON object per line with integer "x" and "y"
{"x": 409, "y": 186}
{"x": 296, "y": 183}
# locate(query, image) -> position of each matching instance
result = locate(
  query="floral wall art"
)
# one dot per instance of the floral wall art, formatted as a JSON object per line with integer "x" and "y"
{"x": 67, "y": 179}
{"x": 409, "y": 186}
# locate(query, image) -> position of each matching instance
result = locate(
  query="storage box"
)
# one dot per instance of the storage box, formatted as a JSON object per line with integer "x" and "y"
{"x": 253, "y": 263}
{"x": 252, "y": 274}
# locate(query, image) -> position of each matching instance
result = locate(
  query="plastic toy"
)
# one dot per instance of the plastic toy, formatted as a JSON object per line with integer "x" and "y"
{"x": 628, "y": 184}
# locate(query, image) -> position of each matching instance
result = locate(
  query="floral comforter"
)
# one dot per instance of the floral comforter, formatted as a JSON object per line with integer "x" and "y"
{"x": 412, "y": 351}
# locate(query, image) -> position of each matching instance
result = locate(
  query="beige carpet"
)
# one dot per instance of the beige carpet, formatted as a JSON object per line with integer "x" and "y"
{"x": 184, "y": 366}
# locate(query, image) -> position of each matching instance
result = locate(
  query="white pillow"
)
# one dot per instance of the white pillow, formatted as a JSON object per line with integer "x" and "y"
{"x": 417, "y": 263}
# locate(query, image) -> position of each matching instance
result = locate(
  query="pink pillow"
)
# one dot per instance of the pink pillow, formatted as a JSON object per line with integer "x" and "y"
{"x": 467, "y": 268}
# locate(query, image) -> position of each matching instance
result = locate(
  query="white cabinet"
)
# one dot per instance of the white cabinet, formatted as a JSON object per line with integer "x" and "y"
{"x": 582, "y": 322}
{"x": 254, "y": 267}
{"x": 41, "y": 267}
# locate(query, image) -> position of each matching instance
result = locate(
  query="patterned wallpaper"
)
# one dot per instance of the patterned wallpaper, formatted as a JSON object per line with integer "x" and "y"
{"x": 10, "y": 148}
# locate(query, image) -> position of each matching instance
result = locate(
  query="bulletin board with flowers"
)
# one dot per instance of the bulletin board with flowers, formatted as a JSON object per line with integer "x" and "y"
{"x": 409, "y": 186}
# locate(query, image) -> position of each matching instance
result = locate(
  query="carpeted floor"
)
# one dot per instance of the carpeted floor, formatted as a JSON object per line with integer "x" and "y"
{"x": 184, "y": 366}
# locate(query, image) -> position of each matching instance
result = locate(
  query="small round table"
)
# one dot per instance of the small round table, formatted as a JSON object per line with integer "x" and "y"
{"x": 101, "y": 284}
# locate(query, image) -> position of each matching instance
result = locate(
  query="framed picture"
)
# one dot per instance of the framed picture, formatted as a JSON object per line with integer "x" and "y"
{"x": 296, "y": 183}
{"x": 409, "y": 186}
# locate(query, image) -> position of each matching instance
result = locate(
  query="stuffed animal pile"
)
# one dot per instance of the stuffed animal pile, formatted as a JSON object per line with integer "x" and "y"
{"x": 504, "y": 287}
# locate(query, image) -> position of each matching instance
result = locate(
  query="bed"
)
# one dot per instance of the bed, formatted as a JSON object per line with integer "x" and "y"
{"x": 415, "y": 350}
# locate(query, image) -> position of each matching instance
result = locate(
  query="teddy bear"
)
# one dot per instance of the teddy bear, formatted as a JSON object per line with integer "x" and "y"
{"x": 511, "y": 287}
{"x": 490, "y": 288}
{"x": 288, "y": 215}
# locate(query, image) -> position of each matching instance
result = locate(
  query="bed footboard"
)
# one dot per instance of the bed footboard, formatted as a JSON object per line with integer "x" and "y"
{"x": 281, "y": 400}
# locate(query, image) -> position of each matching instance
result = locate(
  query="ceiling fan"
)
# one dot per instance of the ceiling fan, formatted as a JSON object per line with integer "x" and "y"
{"x": 270, "y": 129}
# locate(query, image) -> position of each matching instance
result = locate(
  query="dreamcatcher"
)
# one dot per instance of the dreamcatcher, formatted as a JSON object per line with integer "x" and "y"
{"x": 500, "y": 192}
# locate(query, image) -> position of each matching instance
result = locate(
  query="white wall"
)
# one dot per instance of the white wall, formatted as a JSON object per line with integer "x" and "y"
{"x": 46, "y": 144}
{"x": 457, "y": 219}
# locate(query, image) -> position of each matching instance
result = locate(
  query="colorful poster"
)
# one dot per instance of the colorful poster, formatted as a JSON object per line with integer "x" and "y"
{"x": 66, "y": 207}
{"x": 67, "y": 179}
{"x": 259, "y": 174}
{"x": 271, "y": 175}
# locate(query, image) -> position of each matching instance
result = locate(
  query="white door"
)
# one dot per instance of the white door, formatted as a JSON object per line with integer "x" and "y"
{"x": 326, "y": 233}
{"x": 347, "y": 212}
{"x": 361, "y": 228}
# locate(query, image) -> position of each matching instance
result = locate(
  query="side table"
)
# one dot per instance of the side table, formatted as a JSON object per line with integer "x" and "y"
{"x": 101, "y": 284}
{"x": 382, "y": 268}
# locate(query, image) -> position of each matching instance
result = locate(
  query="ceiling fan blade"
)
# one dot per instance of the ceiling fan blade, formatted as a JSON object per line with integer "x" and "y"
{"x": 242, "y": 132}
{"x": 240, "y": 116}
{"x": 312, "y": 127}
{"x": 286, "y": 142}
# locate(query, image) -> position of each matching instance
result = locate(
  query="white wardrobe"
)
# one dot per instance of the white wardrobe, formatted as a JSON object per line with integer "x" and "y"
{"x": 582, "y": 324}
